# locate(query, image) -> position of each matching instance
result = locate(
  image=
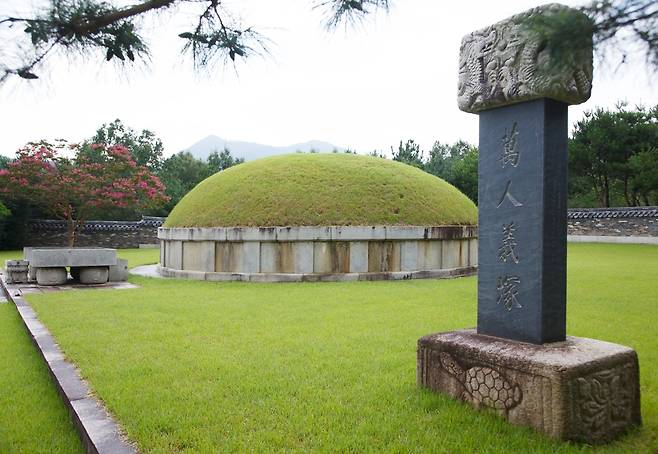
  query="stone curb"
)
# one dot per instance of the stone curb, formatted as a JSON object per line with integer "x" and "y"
{"x": 99, "y": 432}
{"x": 147, "y": 271}
{"x": 320, "y": 233}
{"x": 612, "y": 239}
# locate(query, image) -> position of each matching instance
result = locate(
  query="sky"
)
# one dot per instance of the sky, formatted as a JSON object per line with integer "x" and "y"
{"x": 391, "y": 78}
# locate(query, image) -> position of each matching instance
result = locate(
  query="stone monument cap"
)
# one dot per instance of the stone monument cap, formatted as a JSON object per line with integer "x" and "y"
{"x": 510, "y": 62}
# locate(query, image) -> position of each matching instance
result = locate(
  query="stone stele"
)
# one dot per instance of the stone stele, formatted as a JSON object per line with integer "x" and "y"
{"x": 582, "y": 389}
{"x": 509, "y": 62}
{"x": 570, "y": 388}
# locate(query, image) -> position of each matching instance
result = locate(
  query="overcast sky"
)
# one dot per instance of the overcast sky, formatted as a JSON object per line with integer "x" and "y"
{"x": 392, "y": 78}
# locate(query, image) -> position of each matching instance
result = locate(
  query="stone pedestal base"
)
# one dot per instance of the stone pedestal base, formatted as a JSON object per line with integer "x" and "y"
{"x": 16, "y": 271}
{"x": 94, "y": 274}
{"x": 51, "y": 276}
{"x": 581, "y": 389}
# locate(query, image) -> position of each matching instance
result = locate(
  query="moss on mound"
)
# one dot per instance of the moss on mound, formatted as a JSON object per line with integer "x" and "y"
{"x": 322, "y": 189}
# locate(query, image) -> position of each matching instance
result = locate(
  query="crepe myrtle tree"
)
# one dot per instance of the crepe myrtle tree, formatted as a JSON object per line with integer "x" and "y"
{"x": 72, "y": 188}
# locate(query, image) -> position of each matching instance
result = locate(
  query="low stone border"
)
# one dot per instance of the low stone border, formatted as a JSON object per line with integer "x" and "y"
{"x": 159, "y": 271}
{"x": 313, "y": 253}
{"x": 97, "y": 429}
{"x": 612, "y": 239}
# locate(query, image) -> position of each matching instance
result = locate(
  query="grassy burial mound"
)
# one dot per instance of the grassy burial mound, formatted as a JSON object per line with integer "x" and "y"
{"x": 322, "y": 189}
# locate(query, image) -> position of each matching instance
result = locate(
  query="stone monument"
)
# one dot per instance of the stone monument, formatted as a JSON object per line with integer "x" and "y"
{"x": 520, "y": 362}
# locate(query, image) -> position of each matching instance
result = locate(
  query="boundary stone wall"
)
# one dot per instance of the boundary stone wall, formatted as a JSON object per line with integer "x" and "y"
{"x": 630, "y": 221}
{"x": 318, "y": 253}
{"x": 107, "y": 234}
{"x": 622, "y": 222}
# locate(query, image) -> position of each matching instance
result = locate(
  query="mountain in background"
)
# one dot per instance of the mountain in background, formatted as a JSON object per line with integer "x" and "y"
{"x": 250, "y": 151}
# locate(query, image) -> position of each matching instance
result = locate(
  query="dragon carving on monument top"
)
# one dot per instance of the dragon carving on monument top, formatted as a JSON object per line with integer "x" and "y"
{"x": 507, "y": 62}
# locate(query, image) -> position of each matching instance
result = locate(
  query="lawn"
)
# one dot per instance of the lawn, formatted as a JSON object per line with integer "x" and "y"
{"x": 200, "y": 366}
{"x": 33, "y": 418}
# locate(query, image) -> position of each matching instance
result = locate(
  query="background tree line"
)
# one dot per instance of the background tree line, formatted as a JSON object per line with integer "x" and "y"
{"x": 178, "y": 174}
{"x": 613, "y": 159}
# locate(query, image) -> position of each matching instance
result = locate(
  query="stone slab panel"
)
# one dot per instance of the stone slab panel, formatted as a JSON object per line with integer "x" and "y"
{"x": 174, "y": 255}
{"x": 199, "y": 256}
{"x": 251, "y": 233}
{"x": 251, "y": 257}
{"x": 409, "y": 256}
{"x": 285, "y": 258}
{"x": 321, "y": 257}
{"x": 451, "y": 253}
{"x": 176, "y": 233}
{"x": 403, "y": 232}
{"x": 279, "y": 257}
{"x": 303, "y": 233}
{"x": 355, "y": 233}
{"x": 52, "y": 257}
{"x": 208, "y": 234}
{"x": 464, "y": 252}
{"x": 228, "y": 257}
{"x": 268, "y": 257}
{"x": 449, "y": 232}
{"x": 383, "y": 256}
{"x": 583, "y": 390}
{"x": 473, "y": 252}
{"x": 429, "y": 254}
{"x": 303, "y": 256}
{"x": 331, "y": 257}
{"x": 358, "y": 257}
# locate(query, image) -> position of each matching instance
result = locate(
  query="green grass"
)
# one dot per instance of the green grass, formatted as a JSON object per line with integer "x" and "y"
{"x": 208, "y": 367}
{"x": 322, "y": 189}
{"x": 33, "y": 418}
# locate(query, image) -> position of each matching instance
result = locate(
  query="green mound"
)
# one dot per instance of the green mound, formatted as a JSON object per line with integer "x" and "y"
{"x": 322, "y": 189}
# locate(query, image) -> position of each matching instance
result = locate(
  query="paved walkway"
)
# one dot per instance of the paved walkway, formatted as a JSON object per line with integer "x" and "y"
{"x": 146, "y": 271}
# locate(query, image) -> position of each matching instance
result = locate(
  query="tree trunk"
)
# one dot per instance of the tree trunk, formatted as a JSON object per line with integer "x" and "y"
{"x": 606, "y": 193}
{"x": 70, "y": 230}
{"x": 629, "y": 201}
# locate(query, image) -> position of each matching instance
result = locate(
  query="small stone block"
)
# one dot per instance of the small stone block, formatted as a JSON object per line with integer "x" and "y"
{"x": 94, "y": 275}
{"x": 581, "y": 389}
{"x": 16, "y": 271}
{"x": 51, "y": 276}
{"x": 119, "y": 272}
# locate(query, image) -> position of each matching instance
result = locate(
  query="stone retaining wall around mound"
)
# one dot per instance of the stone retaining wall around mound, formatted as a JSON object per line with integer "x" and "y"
{"x": 318, "y": 253}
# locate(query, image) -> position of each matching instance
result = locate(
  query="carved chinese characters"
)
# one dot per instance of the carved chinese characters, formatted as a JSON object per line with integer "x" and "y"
{"x": 508, "y": 286}
{"x": 522, "y": 221}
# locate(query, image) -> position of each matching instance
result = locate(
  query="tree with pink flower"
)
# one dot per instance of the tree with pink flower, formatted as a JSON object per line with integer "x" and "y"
{"x": 71, "y": 188}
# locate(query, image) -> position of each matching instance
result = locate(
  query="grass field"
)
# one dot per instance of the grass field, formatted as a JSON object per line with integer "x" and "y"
{"x": 322, "y": 189}
{"x": 195, "y": 366}
{"x": 33, "y": 418}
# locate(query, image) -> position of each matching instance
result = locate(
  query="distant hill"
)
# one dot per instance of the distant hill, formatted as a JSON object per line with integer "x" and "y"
{"x": 250, "y": 151}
